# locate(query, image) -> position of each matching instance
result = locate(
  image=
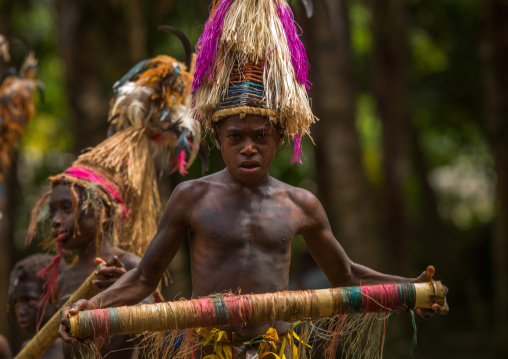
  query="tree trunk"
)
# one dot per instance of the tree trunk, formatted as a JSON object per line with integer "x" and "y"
{"x": 494, "y": 54}
{"x": 342, "y": 184}
{"x": 9, "y": 200}
{"x": 388, "y": 72}
{"x": 99, "y": 42}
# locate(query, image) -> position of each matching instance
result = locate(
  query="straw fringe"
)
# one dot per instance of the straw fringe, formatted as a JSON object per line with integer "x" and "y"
{"x": 156, "y": 94}
{"x": 251, "y": 32}
{"x": 351, "y": 335}
{"x": 126, "y": 158}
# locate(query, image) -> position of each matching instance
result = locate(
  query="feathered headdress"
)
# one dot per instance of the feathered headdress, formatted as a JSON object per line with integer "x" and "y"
{"x": 116, "y": 180}
{"x": 16, "y": 102}
{"x": 251, "y": 61}
{"x": 156, "y": 94}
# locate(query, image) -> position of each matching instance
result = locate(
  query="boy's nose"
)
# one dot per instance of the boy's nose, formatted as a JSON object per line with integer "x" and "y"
{"x": 57, "y": 219}
{"x": 21, "y": 309}
{"x": 249, "y": 148}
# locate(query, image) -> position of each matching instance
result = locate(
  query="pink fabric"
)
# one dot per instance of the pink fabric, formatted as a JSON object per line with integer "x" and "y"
{"x": 297, "y": 149}
{"x": 50, "y": 288}
{"x": 80, "y": 172}
{"x": 179, "y": 163}
{"x": 298, "y": 53}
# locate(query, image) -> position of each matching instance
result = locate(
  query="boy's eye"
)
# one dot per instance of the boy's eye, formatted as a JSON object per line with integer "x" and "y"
{"x": 233, "y": 137}
{"x": 263, "y": 135}
{"x": 33, "y": 302}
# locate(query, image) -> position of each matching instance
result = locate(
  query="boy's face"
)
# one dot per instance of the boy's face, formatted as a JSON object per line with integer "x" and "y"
{"x": 248, "y": 146}
{"x": 27, "y": 295}
{"x": 63, "y": 219}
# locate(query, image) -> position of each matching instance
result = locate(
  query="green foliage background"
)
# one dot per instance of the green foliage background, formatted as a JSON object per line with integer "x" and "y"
{"x": 445, "y": 102}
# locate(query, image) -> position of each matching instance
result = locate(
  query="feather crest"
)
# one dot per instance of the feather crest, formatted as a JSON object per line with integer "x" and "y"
{"x": 17, "y": 104}
{"x": 156, "y": 94}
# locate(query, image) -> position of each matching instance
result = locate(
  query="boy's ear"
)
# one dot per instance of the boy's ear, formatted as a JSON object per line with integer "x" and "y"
{"x": 280, "y": 138}
{"x": 216, "y": 138}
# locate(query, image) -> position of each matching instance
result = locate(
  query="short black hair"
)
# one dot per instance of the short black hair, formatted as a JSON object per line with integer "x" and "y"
{"x": 27, "y": 269}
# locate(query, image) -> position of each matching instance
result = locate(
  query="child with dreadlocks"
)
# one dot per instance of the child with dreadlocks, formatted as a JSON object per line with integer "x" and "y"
{"x": 90, "y": 216}
{"x": 249, "y": 89}
{"x": 107, "y": 203}
{"x": 25, "y": 293}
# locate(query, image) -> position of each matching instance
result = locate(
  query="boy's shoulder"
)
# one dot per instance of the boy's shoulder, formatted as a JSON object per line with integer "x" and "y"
{"x": 296, "y": 197}
{"x": 197, "y": 186}
{"x": 296, "y": 194}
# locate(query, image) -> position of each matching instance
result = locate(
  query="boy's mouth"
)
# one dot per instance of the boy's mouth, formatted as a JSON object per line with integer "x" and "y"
{"x": 25, "y": 324}
{"x": 60, "y": 236}
{"x": 249, "y": 165}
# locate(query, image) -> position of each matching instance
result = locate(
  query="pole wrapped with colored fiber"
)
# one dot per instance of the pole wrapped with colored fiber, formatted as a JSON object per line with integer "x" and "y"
{"x": 49, "y": 332}
{"x": 220, "y": 310}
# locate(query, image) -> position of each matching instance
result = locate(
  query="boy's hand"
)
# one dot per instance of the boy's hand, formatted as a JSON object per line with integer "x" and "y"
{"x": 426, "y": 276}
{"x": 110, "y": 271}
{"x": 65, "y": 325}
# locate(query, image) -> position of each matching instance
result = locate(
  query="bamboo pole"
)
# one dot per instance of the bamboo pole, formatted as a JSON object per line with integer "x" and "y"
{"x": 287, "y": 306}
{"x": 49, "y": 332}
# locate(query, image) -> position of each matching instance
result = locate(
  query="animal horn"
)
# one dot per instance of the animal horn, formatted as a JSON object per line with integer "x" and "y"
{"x": 183, "y": 38}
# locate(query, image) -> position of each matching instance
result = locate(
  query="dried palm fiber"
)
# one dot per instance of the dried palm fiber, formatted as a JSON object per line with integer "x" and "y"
{"x": 156, "y": 94}
{"x": 16, "y": 102}
{"x": 251, "y": 61}
{"x": 348, "y": 312}
{"x": 116, "y": 180}
{"x": 126, "y": 183}
{"x": 49, "y": 332}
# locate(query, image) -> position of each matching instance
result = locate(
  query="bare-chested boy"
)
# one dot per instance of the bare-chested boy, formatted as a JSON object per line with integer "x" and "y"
{"x": 249, "y": 90}
{"x": 25, "y": 293}
{"x": 107, "y": 203}
{"x": 90, "y": 208}
{"x": 83, "y": 242}
{"x": 83, "y": 213}
{"x": 241, "y": 223}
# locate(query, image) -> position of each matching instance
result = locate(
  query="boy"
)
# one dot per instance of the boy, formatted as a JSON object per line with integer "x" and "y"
{"x": 91, "y": 210}
{"x": 241, "y": 224}
{"x": 82, "y": 241}
{"x": 107, "y": 203}
{"x": 84, "y": 211}
{"x": 241, "y": 221}
{"x": 25, "y": 292}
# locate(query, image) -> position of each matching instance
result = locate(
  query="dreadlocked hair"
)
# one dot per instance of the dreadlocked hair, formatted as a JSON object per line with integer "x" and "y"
{"x": 75, "y": 209}
{"x": 92, "y": 203}
{"x": 91, "y": 199}
{"x": 40, "y": 213}
{"x": 85, "y": 199}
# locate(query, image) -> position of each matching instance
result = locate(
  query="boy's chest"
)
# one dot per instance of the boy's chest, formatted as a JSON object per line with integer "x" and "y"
{"x": 263, "y": 222}
{"x": 72, "y": 279}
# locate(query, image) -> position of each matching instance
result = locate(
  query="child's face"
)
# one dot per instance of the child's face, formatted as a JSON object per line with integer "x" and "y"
{"x": 248, "y": 146}
{"x": 27, "y": 295}
{"x": 63, "y": 219}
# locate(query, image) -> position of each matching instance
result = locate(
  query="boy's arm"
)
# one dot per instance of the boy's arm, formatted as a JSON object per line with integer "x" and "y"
{"x": 340, "y": 270}
{"x": 138, "y": 283}
{"x": 329, "y": 254}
